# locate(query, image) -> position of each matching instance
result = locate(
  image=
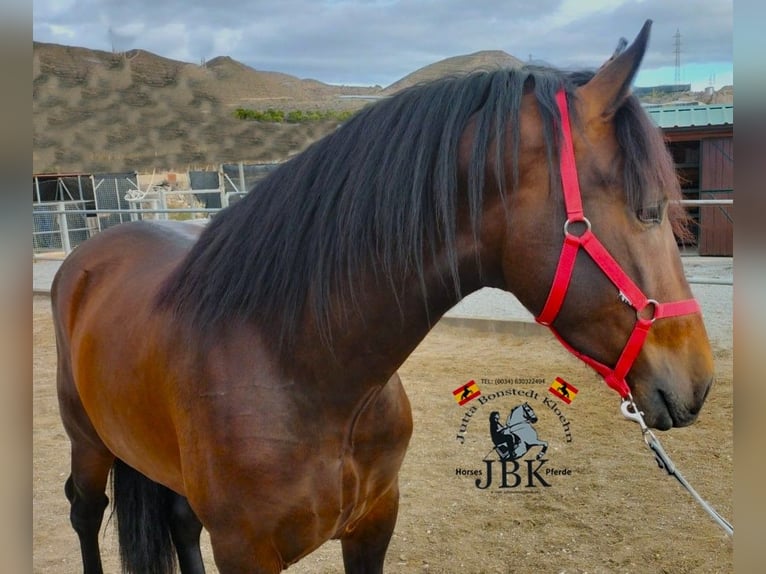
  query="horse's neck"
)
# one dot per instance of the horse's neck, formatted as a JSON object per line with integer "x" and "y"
{"x": 515, "y": 418}
{"x": 375, "y": 334}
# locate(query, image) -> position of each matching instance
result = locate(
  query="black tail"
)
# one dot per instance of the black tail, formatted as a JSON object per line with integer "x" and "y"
{"x": 143, "y": 510}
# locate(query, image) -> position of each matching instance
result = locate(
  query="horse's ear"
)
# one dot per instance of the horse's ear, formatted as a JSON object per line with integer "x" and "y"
{"x": 609, "y": 87}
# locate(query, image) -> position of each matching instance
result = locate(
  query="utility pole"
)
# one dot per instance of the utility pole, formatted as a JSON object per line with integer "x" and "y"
{"x": 677, "y": 38}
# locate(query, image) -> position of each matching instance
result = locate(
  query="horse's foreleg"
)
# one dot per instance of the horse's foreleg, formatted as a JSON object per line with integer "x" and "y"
{"x": 364, "y": 547}
{"x": 85, "y": 489}
{"x": 185, "y": 530}
{"x": 541, "y": 454}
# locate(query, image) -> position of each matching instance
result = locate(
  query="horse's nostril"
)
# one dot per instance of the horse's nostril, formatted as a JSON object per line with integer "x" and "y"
{"x": 707, "y": 389}
{"x": 695, "y": 409}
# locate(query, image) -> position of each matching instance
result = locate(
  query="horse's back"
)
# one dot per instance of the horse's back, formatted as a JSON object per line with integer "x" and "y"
{"x": 122, "y": 260}
{"x": 142, "y": 248}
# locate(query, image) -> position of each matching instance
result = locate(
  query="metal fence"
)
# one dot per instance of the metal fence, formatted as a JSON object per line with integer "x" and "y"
{"x": 59, "y": 226}
{"x": 67, "y": 210}
{"x": 63, "y": 216}
{"x": 62, "y": 226}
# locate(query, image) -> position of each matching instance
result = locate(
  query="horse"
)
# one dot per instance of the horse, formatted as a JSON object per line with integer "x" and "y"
{"x": 242, "y": 378}
{"x": 513, "y": 440}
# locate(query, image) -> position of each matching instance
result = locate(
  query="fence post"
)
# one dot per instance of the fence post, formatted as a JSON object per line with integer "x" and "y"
{"x": 222, "y": 188}
{"x": 63, "y": 227}
{"x": 163, "y": 204}
{"x": 242, "y": 183}
{"x": 133, "y": 216}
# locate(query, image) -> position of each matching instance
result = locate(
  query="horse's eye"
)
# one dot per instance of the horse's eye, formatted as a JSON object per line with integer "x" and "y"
{"x": 651, "y": 213}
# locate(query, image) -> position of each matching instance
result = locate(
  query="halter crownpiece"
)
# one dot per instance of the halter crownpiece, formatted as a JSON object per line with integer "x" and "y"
{"x": 647, "y": 310}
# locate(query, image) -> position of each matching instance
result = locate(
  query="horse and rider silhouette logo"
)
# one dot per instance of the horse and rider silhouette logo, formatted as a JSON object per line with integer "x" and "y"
{"x": 513, "y": 439}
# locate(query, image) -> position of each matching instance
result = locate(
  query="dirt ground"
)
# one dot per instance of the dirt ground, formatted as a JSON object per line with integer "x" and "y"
{"x": 607, "y": 507}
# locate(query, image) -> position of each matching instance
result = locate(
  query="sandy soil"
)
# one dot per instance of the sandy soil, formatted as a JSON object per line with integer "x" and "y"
{"x": 615, "y": 512}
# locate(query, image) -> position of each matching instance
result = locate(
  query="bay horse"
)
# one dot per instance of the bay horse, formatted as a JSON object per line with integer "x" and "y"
{"x": 244, "y": 379}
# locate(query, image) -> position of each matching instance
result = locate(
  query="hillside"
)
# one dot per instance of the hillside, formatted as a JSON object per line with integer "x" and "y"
{"x": 97, "y": 111}
{"x": 100, "y": 111}
{"x": 485, "y": 60}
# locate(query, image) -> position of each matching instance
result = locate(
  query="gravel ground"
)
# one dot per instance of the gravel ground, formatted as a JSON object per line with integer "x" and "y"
{"x": 616, "y": 513}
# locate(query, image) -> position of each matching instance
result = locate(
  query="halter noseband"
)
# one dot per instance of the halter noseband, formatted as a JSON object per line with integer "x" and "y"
{"x": 647, "y": 310}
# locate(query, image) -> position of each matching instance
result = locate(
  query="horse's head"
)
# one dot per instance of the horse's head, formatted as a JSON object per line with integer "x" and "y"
{"x": 628, "y": 188}
{"x": 519, "y": 413}
{"x": 529, "y": 413}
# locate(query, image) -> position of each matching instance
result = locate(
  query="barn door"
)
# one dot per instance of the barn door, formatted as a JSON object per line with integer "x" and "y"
{"x": 716, "y": 222}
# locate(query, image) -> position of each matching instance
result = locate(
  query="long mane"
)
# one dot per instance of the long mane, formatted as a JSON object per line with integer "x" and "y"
{"x": 380, "y": 194}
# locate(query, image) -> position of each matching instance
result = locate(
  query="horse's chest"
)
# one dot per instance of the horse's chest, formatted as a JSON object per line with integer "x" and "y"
{"x": 374, "y": 450}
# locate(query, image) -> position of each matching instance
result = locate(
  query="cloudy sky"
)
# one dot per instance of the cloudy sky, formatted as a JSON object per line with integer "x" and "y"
{"x": 368, "y": 42}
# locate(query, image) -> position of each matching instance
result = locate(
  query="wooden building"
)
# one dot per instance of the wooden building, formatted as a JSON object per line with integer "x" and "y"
{"x": 700, "y": 138}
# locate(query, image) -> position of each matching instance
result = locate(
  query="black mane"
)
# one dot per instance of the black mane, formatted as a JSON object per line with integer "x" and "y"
{"x": 379, "y": 193}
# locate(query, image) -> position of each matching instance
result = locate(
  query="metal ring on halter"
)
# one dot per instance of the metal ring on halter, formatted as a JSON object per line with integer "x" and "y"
{"x": 655, "y": 307}
{"x": 582, "y": 220}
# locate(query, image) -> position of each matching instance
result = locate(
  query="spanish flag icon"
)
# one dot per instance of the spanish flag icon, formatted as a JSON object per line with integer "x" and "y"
{"x": 466, "y": 392}
{"x": 563, "y": 390}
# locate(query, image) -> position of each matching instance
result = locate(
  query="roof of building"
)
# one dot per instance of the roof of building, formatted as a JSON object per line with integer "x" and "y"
{"x": 692, "y": 116}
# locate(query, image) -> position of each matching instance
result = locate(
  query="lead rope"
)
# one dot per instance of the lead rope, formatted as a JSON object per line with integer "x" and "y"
{"x": 631, "y": 412}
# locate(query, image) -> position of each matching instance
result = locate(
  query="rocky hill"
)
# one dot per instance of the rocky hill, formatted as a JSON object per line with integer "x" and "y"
{"x": 485, "y": 60}
{"x": 100, "y": 111}
{"x": 96, "y": 111}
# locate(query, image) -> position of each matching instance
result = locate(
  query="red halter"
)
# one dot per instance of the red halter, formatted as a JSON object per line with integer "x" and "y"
{"x": 647, "y": 310}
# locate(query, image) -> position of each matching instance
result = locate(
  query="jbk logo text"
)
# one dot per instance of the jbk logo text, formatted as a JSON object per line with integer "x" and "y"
{"x": 514, "y": 474}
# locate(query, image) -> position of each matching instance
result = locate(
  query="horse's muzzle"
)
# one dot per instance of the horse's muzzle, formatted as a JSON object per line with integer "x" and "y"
{"x": 663, "y": 408}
